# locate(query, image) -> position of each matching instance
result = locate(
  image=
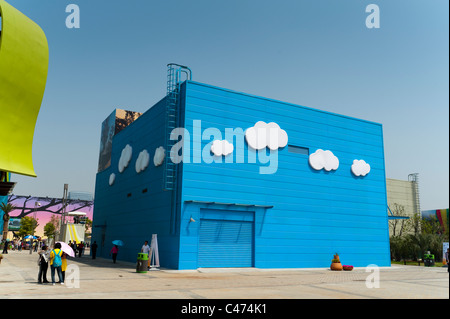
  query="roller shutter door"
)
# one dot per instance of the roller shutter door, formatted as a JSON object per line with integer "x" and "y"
{"x": 225, "y": 243}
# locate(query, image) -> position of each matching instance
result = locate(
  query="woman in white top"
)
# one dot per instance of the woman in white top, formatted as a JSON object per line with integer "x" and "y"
{"x": 146, "y": 250}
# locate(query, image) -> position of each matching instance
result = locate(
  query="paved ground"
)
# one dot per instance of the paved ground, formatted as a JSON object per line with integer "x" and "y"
{"x": 101, "y": 279}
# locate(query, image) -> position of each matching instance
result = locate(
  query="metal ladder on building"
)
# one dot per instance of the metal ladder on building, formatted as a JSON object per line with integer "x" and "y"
{"x": 174, "y": 79}
{"x": 414, "y": 178}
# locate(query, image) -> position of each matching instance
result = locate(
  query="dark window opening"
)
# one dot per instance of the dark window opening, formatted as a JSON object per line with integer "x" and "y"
{"x": 298, "y": 150}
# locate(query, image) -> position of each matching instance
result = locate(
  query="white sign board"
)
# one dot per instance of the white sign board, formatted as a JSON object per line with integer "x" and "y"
{"x": 154, "y": 255}
{"x": 444, "y": 249}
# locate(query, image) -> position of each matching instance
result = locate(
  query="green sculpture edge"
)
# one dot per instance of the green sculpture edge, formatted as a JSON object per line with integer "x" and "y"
{"x": 24, "y": 57}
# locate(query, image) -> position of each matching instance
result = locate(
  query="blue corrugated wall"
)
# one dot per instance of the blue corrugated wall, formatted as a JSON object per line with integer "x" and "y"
{"x": 315, "y": 213}
{"x": 300, "y": 216}
{"x": 3, "y": 199}
{"x": 123, "y": 211}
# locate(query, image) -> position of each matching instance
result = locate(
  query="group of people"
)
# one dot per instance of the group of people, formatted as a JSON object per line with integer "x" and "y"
{"x": 56, "y": 259}
{"x": 78, "y": 249}
{"x": 18, "y": 245}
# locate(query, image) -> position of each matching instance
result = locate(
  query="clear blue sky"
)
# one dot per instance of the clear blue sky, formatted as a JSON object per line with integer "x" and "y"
{"x": 314, "y": 53}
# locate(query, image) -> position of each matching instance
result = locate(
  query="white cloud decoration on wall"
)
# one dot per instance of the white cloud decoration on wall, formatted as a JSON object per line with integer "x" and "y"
{"x": 221, "y": 147}
{"x": 264, "y": 134}
{"x": 160, "y": 154}
{"x": 360, "y": 168}
{"x": 142, "y": 161}
{"x": 321, "y": 159}
{"x": 112, "y": 178}
{"x": 125, "y": 157}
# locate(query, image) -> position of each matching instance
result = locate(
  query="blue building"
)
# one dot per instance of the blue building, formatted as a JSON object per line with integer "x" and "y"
{"x": 246, "y": 181}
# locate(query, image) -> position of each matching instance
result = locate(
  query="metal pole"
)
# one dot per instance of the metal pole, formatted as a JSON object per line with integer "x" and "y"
{"x": 63, "y": 211}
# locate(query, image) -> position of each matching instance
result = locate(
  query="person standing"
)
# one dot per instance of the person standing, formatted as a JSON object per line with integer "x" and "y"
{"x": 56, "y": 263}
{"x": 446, "y": 258}
{"x": 114, "y": 252}
{"x": 74, "y": 247}
{"x": 44, "y": 255}
{"x": 146, "y": 250}
{"x": 94, "y": 249}
{"x": 80, "y": 249}
{"x": 63, "y": 266}
{"x": 5, "y": 247}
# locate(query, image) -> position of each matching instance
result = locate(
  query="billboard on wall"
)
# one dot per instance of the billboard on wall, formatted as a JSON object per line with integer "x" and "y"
{"x": 14, "y": 224}
{"x": 113, "y": 124}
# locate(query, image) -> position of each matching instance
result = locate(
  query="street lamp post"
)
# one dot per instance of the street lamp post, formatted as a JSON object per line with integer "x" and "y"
{"x": 63, "y": 212}
{"x": 36, "y": 205}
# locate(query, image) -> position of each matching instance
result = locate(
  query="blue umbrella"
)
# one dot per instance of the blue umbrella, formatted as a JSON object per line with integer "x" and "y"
{"x": 117, "y": 242}
{"x": 30, "y": 237}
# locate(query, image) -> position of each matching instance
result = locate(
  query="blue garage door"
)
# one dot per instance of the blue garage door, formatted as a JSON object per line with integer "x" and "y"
{"x": 225, "y": 243}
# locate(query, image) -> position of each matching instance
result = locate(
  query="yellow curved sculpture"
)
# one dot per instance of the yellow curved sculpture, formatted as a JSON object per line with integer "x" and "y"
{"x": 23, "y": 74}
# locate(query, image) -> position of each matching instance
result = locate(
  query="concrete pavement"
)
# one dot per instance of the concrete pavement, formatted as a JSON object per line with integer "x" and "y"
{"x": 101, "y": 279}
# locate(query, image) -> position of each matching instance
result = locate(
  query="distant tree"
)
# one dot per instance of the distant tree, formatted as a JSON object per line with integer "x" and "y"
{"x": 415, "y": 224}
{"x": 420, "y": 244}
{"x": 27, "y": 226}
{"x": 6, "y": 208}
{"x": 438, "y": 234}
{"x": 55, "y": 220}
{"x": 88, "y": 225}
{"x": 396, "y": 253}
{"x": 399, "y": 226}
{"x": 49, "y": 230}
{"x": 402, "y": 248}
{"x": 415, "y": 237}
{"x": 432, "y": 225}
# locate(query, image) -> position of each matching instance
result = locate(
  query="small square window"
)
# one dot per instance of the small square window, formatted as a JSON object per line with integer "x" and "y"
{"x": 298, "y": 150}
